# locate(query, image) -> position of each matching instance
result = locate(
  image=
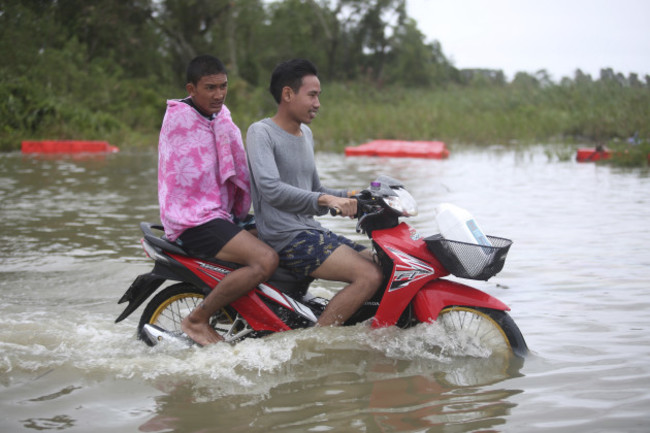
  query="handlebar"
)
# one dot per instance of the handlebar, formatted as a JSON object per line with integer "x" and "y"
{"x": 369, "y": 205}
{"x": 380, "y": 206}
{"x": 365, "y": 204}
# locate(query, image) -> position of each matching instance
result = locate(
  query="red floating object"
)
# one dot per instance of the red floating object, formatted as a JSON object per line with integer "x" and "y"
{"x": 591, "y": 154}
{"x": 400, "y": 149}
{"x": 67, "y": 146}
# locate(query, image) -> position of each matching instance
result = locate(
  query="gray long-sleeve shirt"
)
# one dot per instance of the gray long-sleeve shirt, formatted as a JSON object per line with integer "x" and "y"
{"x": 284, "y": 182}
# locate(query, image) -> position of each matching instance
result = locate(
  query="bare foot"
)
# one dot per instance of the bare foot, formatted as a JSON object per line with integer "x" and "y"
{"x": 200, "y": 332}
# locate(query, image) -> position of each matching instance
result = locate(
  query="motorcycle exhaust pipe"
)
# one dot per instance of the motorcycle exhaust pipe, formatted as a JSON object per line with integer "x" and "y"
{"x": 156, "y": 335}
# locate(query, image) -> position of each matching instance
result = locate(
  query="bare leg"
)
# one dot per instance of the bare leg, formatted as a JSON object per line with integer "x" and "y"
{"x": 259, "y": 260}
{"x": 357, "y": 269}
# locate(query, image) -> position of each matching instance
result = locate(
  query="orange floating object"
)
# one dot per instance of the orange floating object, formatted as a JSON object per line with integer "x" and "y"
{"x": 591, "y": 154}
{"x": 400, "y": 149}
{"x": 68, "y": 146}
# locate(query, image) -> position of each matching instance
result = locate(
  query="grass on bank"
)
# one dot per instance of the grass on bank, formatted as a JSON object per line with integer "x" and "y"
{"x": 630, "y": 155}
{"x": 128, "y": 114}
{"x": 623, "y": 154}
{"x": 479, "y": 115}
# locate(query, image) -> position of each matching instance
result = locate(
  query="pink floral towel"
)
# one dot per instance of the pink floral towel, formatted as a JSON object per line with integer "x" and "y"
{"x": 202, "y": 169}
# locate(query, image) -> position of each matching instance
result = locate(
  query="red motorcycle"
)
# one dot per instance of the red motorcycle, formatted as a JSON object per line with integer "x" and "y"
{"x": 413, "y": 290}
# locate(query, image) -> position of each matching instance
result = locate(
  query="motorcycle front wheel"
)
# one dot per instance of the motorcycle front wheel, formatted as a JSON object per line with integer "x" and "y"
{"x": 491, "y": 328}
{"x": 169, "y": 307}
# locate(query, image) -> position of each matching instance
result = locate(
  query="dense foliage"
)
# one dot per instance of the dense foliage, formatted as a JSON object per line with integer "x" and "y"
{"x": 103, "y": 69}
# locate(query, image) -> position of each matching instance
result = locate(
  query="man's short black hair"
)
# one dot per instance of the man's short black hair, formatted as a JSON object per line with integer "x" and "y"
{"x": 290, "y": 73}
{"x": 204, "y": 65}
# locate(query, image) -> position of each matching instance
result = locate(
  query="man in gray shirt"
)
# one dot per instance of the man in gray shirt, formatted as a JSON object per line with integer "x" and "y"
{"x": 287, "y": 194}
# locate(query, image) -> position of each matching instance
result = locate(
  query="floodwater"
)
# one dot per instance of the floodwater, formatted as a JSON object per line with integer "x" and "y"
{"x": 576, "y": 278}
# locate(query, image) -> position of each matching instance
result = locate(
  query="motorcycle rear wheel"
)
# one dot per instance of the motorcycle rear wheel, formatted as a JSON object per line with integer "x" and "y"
{"x": 492, "y": 328}
{"x": 171, "y": 305}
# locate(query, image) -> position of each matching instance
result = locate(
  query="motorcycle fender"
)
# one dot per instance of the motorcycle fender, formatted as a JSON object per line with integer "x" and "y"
{"x": 143, "y": 286}
{"x": 439, "y": 294}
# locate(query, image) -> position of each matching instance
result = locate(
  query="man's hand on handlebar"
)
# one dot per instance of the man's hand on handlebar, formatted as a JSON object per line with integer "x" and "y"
{"x": 344, "y": 206}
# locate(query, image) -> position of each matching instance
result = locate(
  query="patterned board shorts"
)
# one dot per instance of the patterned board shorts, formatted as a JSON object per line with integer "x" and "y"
{"x": 307, "y": 251}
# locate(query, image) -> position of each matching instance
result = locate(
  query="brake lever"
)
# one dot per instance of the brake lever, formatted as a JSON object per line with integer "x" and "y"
{"x": 379, "y": 211}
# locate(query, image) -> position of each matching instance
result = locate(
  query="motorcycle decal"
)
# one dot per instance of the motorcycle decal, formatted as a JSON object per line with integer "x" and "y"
{"x": 408, "y": 270}
{"x": 214, "y": 268}
{"x": 413, "y": 234}
{"x": 209, "y": 270}
{"x": 287, "y": 302}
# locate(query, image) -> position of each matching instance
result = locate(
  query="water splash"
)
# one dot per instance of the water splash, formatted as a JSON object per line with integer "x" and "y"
{"x": 93, "y": 345}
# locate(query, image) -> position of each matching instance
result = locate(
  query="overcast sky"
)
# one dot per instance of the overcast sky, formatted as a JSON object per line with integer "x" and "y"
{"x": 528, "y": 35}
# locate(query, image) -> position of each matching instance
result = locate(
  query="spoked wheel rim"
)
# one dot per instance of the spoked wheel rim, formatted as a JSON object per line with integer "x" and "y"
{"x": 483, "y": 329}
{"x": 172, "y": 311}
{"x": 168, "y": 308}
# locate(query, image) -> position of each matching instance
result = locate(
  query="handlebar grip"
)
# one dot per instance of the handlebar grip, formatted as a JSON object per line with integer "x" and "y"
{"x": 334, "y": 211}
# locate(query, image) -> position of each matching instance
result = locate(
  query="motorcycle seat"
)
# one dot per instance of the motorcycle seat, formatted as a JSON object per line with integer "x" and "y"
{"x": 286, "y": 281}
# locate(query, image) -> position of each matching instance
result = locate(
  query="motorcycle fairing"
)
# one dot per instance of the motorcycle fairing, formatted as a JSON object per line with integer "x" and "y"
{"x": 439, "y": 294}
{"x": 258, "y": 315}
{"x": 405, "y": 238}
{"x": 253, "y": 309}
{"x": 287, "y": 302}
{"x": 407, "y": 269}
{"x": 413, "y": 267}
{"x": 208, "y": 273}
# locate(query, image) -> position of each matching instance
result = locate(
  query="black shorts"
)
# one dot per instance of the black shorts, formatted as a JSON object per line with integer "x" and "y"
{"x": 206, "y": 240}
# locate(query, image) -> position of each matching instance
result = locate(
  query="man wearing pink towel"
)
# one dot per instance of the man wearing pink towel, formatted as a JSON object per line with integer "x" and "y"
{"x": 204, "y": 191}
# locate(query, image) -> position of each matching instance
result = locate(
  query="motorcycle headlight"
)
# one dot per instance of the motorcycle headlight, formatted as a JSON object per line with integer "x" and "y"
{"x": 403, "y": 203}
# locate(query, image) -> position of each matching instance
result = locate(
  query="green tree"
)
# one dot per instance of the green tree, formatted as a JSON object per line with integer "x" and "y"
{"x": 119, "y": 30}
{"x": 191, "y": 27}
{"x": 413, "y": 62}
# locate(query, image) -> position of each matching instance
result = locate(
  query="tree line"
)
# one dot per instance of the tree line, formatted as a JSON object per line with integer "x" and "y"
{"x": 103, "y": 69}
